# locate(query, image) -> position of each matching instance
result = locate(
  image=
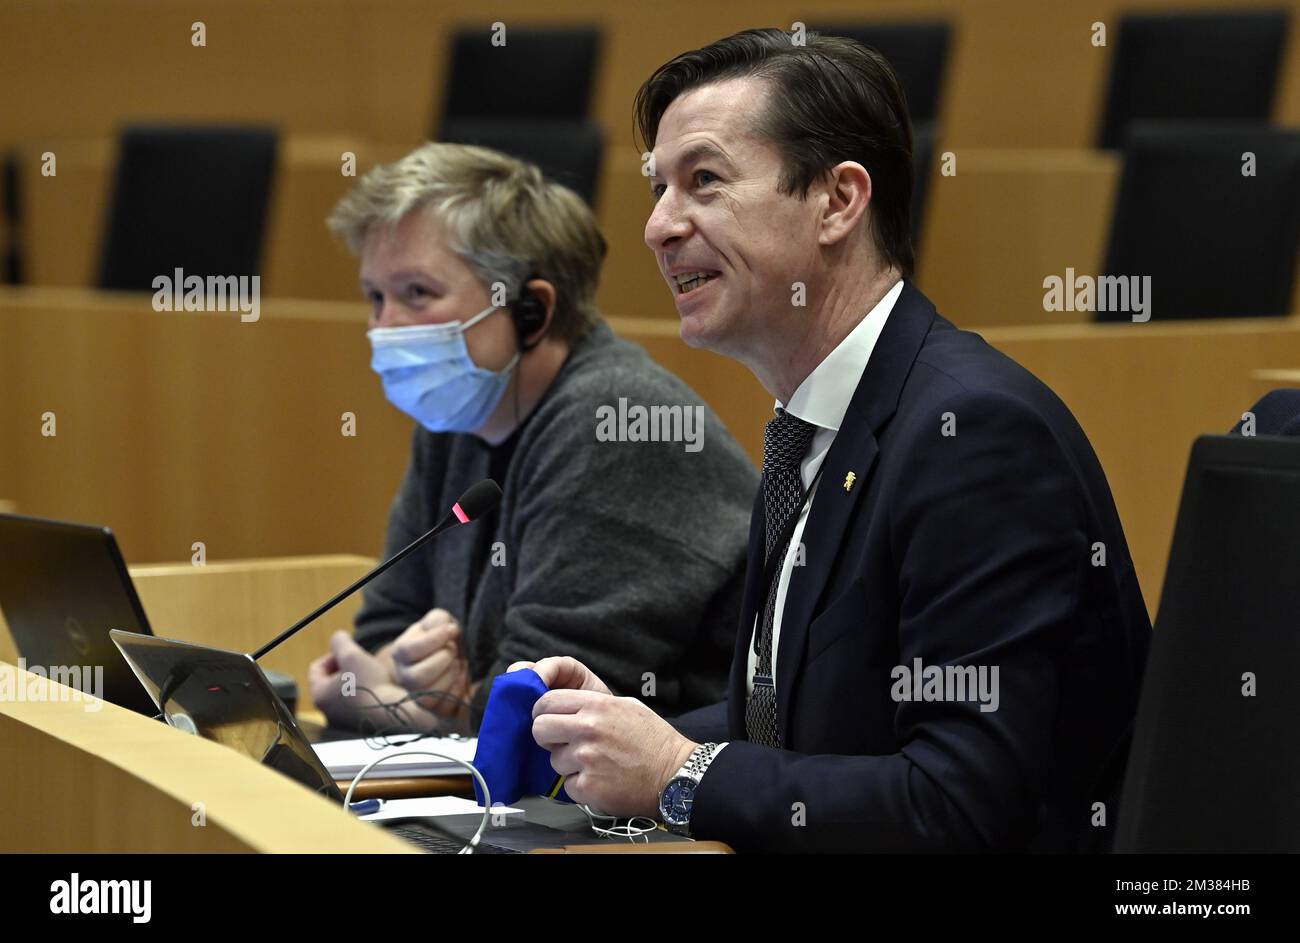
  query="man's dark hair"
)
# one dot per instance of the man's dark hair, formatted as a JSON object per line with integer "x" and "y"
{"x": 831, "y": 100}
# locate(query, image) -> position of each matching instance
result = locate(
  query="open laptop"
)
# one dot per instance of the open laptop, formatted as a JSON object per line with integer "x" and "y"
{"x": 224, "y": 696}
{"x": 1215, "y": 760}
{"x": 63, "y": 586}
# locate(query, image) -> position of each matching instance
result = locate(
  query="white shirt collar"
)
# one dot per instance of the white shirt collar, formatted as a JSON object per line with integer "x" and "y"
{"x": 824, "y": 396}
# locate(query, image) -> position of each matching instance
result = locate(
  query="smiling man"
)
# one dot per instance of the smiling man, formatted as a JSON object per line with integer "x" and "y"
{"x": 942, "y": 634}
{"x": 481, "y": 277}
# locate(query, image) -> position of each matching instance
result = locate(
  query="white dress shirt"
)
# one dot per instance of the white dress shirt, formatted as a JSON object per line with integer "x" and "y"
{"x": 822, "y": 399}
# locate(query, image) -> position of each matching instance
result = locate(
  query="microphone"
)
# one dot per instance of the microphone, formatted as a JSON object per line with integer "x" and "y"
{"x": 473, "y": 504}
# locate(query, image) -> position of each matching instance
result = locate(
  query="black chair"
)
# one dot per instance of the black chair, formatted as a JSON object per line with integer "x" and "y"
{"x": 1215, "y": 243}
{"x": 568, "y": 152}
{"x": 1215, "y": 764}
{"x": 11, "y": 262}
{"x": 538, "y": 74}
{"x": 917, "y": 51}
{"x": 188, "y": 198}
{"x": 1276, "y": 413}
{"x": 1193, "y": 66}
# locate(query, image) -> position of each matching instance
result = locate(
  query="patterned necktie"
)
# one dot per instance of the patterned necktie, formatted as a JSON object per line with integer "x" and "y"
{"x": 784, "y": 444}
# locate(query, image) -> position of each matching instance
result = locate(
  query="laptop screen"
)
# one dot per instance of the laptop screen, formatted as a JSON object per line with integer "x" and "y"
{"x": 224, "y": 696}
{"x": 63, "y": 586}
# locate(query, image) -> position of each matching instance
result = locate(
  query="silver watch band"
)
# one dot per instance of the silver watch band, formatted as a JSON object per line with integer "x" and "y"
{"x": 693, "y": 769}
{"x": 699, "y": 760}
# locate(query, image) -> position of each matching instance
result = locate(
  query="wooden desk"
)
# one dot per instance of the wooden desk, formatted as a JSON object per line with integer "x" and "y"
{"x": 107, "y": 780}
{"x": 110, "y": 780}
{"x": 410, "y": 787}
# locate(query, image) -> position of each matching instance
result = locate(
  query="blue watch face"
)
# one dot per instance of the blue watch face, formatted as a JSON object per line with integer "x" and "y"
{"x": 677, "y": 800}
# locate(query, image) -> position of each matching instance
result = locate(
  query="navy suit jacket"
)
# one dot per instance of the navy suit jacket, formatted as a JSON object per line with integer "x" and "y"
{"x": 979, "y": 532}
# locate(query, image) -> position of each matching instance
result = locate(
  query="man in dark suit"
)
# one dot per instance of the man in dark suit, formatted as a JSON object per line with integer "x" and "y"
{"x": 942, "y": 634}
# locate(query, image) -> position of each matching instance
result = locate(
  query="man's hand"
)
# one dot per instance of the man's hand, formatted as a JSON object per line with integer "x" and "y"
{"x": 335, "y": 680}
{"x": 427, "y": 657}
{"x": 617, "y": 753}
{"x": 564, "y": 672}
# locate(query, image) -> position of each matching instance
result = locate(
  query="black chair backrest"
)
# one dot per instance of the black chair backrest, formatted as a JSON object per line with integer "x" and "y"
{"x": 1215, "y": 241}
{"x": 917, "y": 51}
{"x": 536, "y": 74}
{"x": 193, "y": 198}
{"x": 11, "y": 263}
{"x": 568, "y": 152}
{"x": 1215, "y": 761}
{"x": 1193, "y": 66}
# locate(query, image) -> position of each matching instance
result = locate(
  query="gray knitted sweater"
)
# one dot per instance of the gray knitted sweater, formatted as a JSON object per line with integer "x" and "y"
{"x": 628, "y": 555}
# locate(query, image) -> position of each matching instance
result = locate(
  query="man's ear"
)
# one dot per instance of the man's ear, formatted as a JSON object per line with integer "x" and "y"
{"x": 848, "y": 194}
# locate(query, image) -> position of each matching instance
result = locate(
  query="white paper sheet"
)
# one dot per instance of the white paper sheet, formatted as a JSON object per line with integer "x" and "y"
{"x": 345, "y": 758}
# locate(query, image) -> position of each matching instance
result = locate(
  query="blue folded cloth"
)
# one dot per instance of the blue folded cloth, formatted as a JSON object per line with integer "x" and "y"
{"x": 512, "y": 763}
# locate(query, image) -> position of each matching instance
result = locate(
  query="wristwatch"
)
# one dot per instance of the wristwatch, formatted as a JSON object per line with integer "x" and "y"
{"x": 679, "y": 795}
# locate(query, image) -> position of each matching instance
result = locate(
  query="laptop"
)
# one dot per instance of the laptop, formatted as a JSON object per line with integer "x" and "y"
{"x": 63, "y": 586}
{"x": 224, "y": 696}
{"x": 1215, "y": 760}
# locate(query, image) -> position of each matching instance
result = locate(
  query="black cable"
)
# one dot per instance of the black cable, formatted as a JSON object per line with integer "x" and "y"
{"x": 383, "y": 736}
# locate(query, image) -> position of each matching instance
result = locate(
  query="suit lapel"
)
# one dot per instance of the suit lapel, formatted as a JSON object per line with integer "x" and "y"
{"x": 854, "y": 450}
{"x": 750, "y": 602}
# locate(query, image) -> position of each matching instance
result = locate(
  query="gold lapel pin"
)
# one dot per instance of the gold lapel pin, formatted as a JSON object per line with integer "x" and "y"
{"x": 848, "y": 481}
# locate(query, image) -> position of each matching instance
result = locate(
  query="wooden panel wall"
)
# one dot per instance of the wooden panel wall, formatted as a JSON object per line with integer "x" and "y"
{"x": 1024, "y": 73}
{"x": 174, "y": 428}
{"x": 1024, "y": 90}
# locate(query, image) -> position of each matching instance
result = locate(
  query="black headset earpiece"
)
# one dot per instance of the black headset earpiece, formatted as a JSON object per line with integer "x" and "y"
{"x": 529, "y": 313}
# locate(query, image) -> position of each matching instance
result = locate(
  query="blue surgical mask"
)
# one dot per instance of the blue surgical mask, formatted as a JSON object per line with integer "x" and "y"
{"x": 428, "y": 374}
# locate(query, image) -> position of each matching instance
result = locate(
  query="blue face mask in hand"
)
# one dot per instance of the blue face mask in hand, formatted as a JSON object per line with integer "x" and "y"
{"x": 511, "y": 762}
{"x": 428, "y": 374}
